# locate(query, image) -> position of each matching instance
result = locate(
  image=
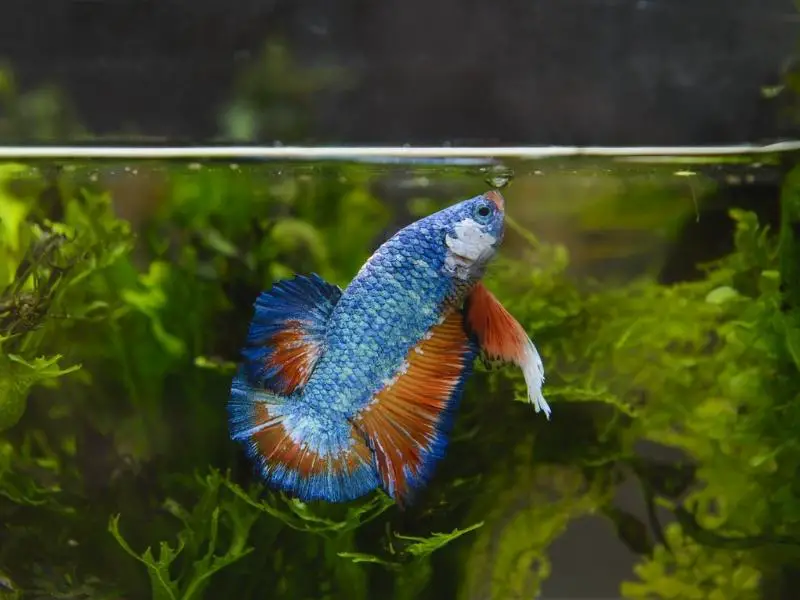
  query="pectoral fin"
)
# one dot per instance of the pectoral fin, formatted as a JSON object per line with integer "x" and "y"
{"x": 503, "y": 339}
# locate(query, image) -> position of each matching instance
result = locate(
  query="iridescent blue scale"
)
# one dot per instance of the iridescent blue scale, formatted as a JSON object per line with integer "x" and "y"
{"x": 360, "y": 338}
{"x": 386, "y": 310}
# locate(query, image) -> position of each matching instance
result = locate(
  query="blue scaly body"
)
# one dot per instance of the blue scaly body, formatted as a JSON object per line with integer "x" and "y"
{"x": 359, "y": 340}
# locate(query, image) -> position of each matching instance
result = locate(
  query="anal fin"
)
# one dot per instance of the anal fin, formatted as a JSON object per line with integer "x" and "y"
{"x": 287, "y": 333}
{"x": 503, "y": 339}
{"x": 407, "y": 422}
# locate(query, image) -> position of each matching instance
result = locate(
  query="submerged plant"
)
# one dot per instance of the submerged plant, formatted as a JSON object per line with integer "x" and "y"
{"x": 118, "y": 344}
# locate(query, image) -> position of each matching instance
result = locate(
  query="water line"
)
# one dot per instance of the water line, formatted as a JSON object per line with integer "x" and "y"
{"x": 377, "y": 152}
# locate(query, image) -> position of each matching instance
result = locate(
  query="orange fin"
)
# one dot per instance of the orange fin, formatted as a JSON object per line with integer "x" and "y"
{"x": 503, "y": 339}
{"x": 407, "y": 422}
{"x": 312, "y": 455}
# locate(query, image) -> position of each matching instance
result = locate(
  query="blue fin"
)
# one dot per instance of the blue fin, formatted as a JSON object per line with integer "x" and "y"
{"x": 309, "y": 454}
{"x": 287, "y": 333}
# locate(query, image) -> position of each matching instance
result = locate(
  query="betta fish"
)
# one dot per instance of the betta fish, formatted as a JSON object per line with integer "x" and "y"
{"x": 341, "y": 392}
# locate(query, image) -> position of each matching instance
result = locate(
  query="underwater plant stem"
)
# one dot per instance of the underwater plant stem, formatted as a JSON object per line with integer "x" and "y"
{"x": 127, "y": 377}
{"x": 115, "y": 338}
{"x": 527, "y": 235}
{"x": 652, "y": 516}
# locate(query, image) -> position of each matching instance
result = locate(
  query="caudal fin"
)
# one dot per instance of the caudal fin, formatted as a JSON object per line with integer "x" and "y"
{"x": 310, "y": 455}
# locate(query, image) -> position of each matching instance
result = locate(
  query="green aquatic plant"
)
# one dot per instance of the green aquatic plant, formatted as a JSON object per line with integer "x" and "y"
{"x": 691, "y": 570}
{"x": 119, "y": 339}
{"x": 141, "y": 318}
{"x": 197, "y": 542}
{"x": 509, "y": 560}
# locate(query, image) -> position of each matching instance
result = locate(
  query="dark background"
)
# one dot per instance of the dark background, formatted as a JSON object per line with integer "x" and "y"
{"x": 612, "y": 72}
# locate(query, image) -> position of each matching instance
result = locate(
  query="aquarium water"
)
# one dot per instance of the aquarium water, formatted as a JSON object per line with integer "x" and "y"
{"x": 659, "y": 284}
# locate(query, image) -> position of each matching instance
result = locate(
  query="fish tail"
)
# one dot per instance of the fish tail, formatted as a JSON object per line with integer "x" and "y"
{"x": 246, "y": 410}
{"x": 307, "y": 453}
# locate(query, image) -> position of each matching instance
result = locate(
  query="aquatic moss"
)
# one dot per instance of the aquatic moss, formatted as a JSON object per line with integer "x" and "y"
{"x": 707, "y": 368}
{"x": 117, "y": 477}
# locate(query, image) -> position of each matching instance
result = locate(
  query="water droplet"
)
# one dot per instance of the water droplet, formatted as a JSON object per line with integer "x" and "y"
{"x": 498, "y": 181}
{"x": 499, "y": 177}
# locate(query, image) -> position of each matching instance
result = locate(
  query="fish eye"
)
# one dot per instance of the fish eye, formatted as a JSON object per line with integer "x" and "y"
{"x": 484, "y": 211}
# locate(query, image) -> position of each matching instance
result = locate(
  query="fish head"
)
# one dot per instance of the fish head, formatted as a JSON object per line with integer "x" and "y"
{"x": 473, "y": 231}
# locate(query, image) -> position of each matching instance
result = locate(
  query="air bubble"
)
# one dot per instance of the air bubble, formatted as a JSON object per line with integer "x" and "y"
{"x": 499, "y": 177}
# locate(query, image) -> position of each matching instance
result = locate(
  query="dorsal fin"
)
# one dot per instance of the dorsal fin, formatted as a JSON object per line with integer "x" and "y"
{"x": 287, "y": 333}
{"x": 407, "y": 422}
{"x": 502, "y": 339}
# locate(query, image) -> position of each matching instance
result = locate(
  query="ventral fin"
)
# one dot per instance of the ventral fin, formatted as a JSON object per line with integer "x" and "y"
{"x": 287, "y": 333}
{"x": 310, "y": 455}
{"x": 503, "y": 340}
{"x": 407, "y": 423}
